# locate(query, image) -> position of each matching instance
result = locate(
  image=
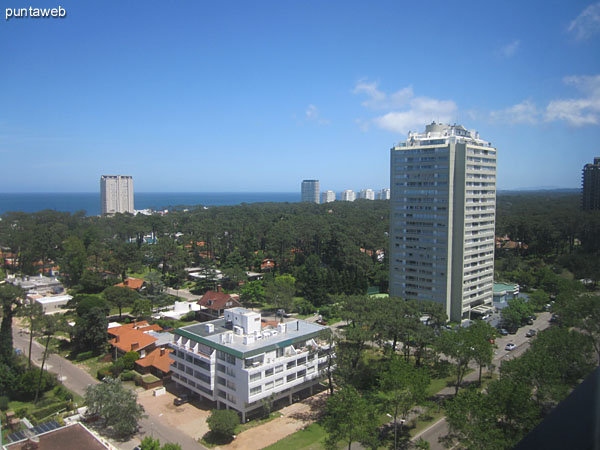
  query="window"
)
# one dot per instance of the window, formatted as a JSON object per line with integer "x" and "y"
{"x": 269, "y": 385}
{"x": 268, "y": 372}
{"x": 291, "y": 364}
{"x": 279, "y": 369}
{"x": 301, "y": 373}
{"x": 256, "y": 376}
{"x": 256, "y": 390}
{"x": 278, "y": 381}
{"x": 291, "y": 377}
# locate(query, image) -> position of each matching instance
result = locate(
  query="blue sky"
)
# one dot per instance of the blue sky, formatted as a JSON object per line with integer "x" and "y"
{"x": 200, "y": 96}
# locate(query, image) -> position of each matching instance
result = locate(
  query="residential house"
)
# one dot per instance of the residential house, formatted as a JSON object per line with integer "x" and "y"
{"x": 214, "y": 304}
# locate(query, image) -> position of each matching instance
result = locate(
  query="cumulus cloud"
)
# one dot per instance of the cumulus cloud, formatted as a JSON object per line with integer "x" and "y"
{"x": 525, "y": 112}
{"x": 509, "y": 49}
{"x": 586, "y": 24}
{"x": 584, "y": 110}
{"x": 409, "y": 112}
{"x": 312, "y": 114}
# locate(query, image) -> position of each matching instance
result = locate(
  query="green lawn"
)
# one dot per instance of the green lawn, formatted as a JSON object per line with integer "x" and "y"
{"x": 93, "y": 364}
{"x": 310, "y": 438}
{"x": 254, "y": 423}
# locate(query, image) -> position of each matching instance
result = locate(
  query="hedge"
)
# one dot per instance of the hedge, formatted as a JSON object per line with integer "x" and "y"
{"x": 84, "y": 355}
{"x": 49, "y": 410}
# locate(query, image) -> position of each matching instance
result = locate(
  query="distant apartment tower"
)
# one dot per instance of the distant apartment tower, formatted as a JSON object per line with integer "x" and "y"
{"x": 590, "y": 186}
{"x": 348, "y": 195}
{"x": 116, "y": 194}
{"x": 384, "y": 194}
{"x": 443, "y": 209}
{"x": 310, "y": 191}
{"x": 327, "y": 196}
{"x": 367, "y": 194}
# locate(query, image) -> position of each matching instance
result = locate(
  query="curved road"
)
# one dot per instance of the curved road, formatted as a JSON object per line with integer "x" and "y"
{"x": 77, "y": 379}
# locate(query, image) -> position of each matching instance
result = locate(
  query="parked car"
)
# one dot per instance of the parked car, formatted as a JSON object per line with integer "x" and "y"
{"x": 510, "y": 347}
{"x": 181, "y": 400}
{"x": 531, "y": 333}
{"x": 504, "y": 332}
{"x": 529, "y": 321}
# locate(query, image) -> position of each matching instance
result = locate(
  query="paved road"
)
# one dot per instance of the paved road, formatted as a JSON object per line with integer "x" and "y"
{"x": 183, "y": 293}
{"x": 77, "y": 379}
{"x": 440, "y": 428}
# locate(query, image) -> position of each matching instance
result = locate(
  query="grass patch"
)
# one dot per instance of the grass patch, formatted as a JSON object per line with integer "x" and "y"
{"x": 93, "y": 364}
{"x": 311, "y": 437}
{"x": 437, "y": 384}
{"x": 254, "y": 423}
{"x": 425, "y": 420}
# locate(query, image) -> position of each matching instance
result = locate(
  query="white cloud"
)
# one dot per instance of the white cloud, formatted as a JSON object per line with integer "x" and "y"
{"x": 580, "y": 111}
{"x": 525, "y": 112}
{"x": 587, "y": 23}
{"x": 408, "y": 112}
{"x": 510, "y": 49}
{"x": 312, "y": 114}
{"x": 380, "y": 100}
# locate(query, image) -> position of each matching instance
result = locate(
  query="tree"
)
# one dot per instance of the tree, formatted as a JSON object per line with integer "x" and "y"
{"x": 349, "y": 417}
{"x": 482, "y": 334}
{"x": 223, "y": 422}
{"x": 49, "y": 326}
{"x": 280, "y": 291}
{"x": 116, "y": 404}
{"x": 142, "y": 308}
{"x": 74, "y": 260}
{"x": 253, "y": 292}
{"x": 120, "y": 296}
{"x": 582, "y": 312}
{"x": 516, "y": 313}
{"x": 456, "y": 345}
{"x": 90, "y": 331}
{"x": 9, "y": 303}
{"x": 149, "y": 443}
{"x": 171, "y": 446}
{"x": 402, "y": 387}
{"x": 33, "y": 313}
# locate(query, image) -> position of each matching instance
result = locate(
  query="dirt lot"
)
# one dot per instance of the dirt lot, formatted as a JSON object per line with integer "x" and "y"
{"x": 187, "y": 418}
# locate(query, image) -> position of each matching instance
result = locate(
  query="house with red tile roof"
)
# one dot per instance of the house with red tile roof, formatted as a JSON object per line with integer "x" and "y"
{"x": 156, "y": 362}
{"x": 133, "y": 337}
{"x": 214, "y": 304}
{"x": 132, "y": 283}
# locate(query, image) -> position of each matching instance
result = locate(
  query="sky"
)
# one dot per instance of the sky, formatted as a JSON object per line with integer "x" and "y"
{"x": 229, "y": 96}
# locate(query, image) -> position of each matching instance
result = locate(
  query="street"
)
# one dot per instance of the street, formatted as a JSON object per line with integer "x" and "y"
{"x": 77, "y": 379}
{"x": 440, "y": 428}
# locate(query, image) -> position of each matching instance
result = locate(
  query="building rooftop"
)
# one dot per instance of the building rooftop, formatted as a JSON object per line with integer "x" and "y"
{"x": 70, "y": 437}
{"x": 439, "y": 133}
{"x": 223, "y": 335}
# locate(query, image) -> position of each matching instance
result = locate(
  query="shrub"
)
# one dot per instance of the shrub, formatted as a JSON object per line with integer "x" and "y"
{"x": 42, "y": 413}
{"x": 3, "y": 403}
{"x": 128, "y": 360}
{"x": 128, "y": 375}
{"x": 84, "y": 355}
{"x": 188, "y": 317}
{"x": 304, "y": 306}
{"x": 103, "y": 373}
{"x": 223, "y": 422}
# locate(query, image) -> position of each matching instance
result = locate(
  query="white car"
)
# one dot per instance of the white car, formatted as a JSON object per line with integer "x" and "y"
{"x": 510, "y": 347}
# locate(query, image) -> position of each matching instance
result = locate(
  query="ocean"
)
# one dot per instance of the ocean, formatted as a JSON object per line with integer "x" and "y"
{"x": 90, "y": 201}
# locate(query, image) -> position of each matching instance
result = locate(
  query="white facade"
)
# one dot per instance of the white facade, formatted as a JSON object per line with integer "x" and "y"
{"x": 367, "y": 194}
{"x": 384, "y": 194}
{"x": 348, "y": 195}
{"x": 116, "y": 194}
{"x": 310, "y": 191}
{"x": 327, "y": 196}
{"x": 54, "y": 303}
{"x": 237, "y": 362}
{"x": 443, "y": 209}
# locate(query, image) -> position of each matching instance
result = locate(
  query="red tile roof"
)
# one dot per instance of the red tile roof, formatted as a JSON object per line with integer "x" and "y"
{"x": 132, "y": 283}
{"x": 141, "y": 325}
{"x": 132, "y": 340}
{"x": 218, "y": 300}
{"x": 158, "y": 358}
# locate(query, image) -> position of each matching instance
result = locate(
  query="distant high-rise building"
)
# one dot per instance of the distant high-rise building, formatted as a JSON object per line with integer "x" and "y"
{"x": 310, "y": 191}
{"x": 443, "y": 210}
{"x": 348, "y": 195}
{"x": 327, "y": 196}
{"x": 116, "y": 194}
{"x": 367, "y": 194}
{"x": 384, "y": 194}
{"x": 590, "y": 186}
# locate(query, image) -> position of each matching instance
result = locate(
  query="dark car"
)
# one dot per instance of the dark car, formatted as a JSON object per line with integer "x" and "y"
{"x": 504, "y": 332}
{"x": 180, "y": 400}
{"x": 531, "y": 333}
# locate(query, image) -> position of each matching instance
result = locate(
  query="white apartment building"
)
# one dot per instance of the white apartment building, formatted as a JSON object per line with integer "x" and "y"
{"x": 116, "y": 194}
{"x": 443, "y": 210}
{"x": 348, "y": 195}
{"x": 310, "y": 191}
{"x": 384, "y": 194}
{"x": 327, "y": 196}
{"x": 367, "y": 194}
{"x": 238, "y": 360}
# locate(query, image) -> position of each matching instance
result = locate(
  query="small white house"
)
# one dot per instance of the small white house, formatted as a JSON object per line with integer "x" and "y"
{"x": 54, "y": 303}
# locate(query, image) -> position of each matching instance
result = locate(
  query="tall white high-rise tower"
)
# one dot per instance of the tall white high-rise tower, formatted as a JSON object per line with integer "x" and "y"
{"x": 116, "y": 194}
{"x": 443, "y": 210}
{"x": 310, "y": 191}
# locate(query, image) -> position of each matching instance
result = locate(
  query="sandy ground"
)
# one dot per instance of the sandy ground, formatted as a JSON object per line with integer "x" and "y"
{"x": 187, "y": 418}
{"x": 295, "y": 417}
